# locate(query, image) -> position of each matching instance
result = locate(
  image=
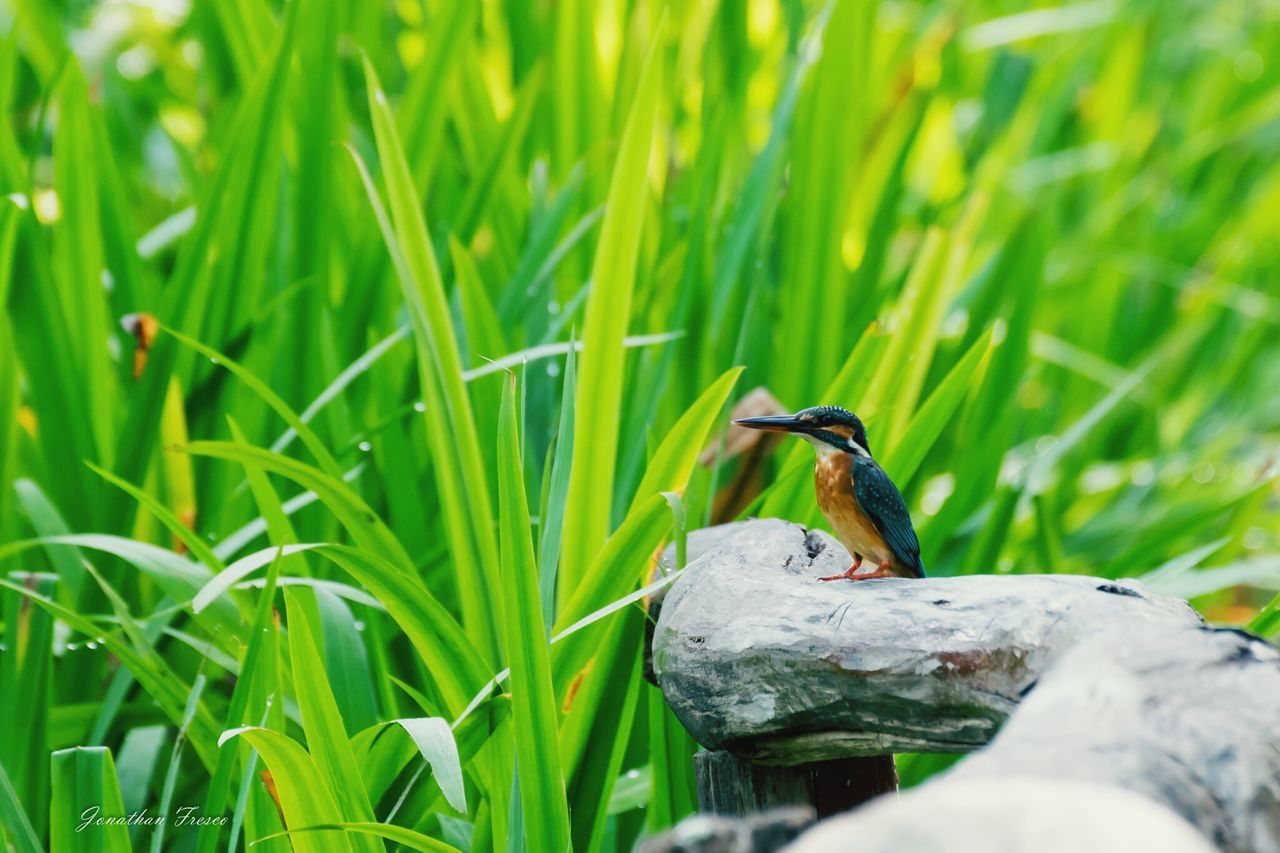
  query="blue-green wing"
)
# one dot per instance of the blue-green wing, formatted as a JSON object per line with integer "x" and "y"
{"x": 882, "y": 503}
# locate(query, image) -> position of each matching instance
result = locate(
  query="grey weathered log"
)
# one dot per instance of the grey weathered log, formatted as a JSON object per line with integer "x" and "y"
{"x": 1183, "y": 720}
{"x": 756, "y": 655}
{"x": 1127, "y": 723}
{"x": 1014, "y": 815}
{"x": 761, "y": 833}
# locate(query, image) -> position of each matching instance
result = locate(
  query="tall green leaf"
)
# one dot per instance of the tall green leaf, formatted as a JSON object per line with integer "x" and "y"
{"x": 533, "y": 698}
{"x": 27, "y": 670}
{"x": 451, "y": 432}
{"x": 613, "y": 274}
{"x": 216, "y": 279}
{"x": 87, "y": 812}
{"x": 305, "y": 796}
{"x": 13, "y": 818}
{"x": 441, "y": 643}
{"x": 321, "y": 721}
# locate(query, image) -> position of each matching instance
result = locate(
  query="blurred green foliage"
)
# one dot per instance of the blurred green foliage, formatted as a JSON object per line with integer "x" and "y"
{"x": 258, "y": 259}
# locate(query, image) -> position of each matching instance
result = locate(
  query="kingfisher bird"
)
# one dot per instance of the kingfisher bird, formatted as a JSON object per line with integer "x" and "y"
{"x": 863, "y": 506}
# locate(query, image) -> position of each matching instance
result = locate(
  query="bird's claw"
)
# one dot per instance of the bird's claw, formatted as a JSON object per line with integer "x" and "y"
{"x": 850, "y": 574}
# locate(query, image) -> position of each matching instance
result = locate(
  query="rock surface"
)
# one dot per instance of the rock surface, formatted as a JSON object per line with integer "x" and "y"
{"x": 1123, "y": 722}
{"x": 1010, "y": 816}
{"x": 755, "y": 655}
{"x": 1132, "y": 741}
{"x": 761, "y": 833}
{"x": 1187, "y": 717}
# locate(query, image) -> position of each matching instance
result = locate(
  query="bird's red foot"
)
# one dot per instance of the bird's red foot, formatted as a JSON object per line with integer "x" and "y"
{"x": 849, "y": 573}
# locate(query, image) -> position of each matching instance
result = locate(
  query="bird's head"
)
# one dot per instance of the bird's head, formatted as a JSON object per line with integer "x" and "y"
{"x": 827, "y": 428}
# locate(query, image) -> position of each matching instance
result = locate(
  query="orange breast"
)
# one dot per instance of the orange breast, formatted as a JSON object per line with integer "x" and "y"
{"x": 833, "y": 483}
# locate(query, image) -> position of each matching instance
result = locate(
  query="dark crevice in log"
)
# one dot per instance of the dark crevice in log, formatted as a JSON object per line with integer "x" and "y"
{"x": 1116, "y": 589}
{"x": 730, "y": 785}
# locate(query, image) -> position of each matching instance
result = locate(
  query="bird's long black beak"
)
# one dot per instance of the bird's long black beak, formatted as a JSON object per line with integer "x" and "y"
{"x": 774, "y": 423}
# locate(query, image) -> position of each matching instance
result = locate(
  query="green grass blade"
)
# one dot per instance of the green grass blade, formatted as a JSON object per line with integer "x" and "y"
{"x": 349, "y": 374}
{"x": 1267, "y": 622}
{"x": 451, "y": 432}
{"x": 436, "y": 744}
{"x": 274, "y": 518}
{"x": 13, "y": 817}
{"x": 443, "y": 646}
{"x": 224, "y": 253}
{"x": 424, "y": 113}
{"x": 79, "y": 261}
{"x": 600, "y": 725}
{"x": 671, "y": 752}
{"x": 85, "y": 789}
{"x": 938, "y": 411}
{"x": 47, "y": 521}
{"x": 219, "y": 784}
{"x": 321, "y": 453}
{"x": 321, "y": 721}
{"x": 305, "y": 797}
{"x": 829, "y": 128}
{"x": 27, "y": 670}
{"x": 894, "y": 389}
{"x": 619, "y": 566}
{"x": 196, "y": 545}
{"x": 166, "y": 688}
{"x": 401, "y": 836}
{"x": 364, "y": 525}
{"x": 345, "y": 657}
{"x": 551, "y": 528}
{"x": 673, "y": 462}
{"x": 613, "y": 274}
{"x": 475, "y": 202}
{"x": 10, "y": 369}
{"x": 175, "y": 761}
{"x": 137, "y": 761}
{"x": 533, "y": 697}
{"x": 176, "y": 576}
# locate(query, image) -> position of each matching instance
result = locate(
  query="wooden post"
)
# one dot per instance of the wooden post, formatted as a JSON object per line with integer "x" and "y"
{"x": 729, "y": 785}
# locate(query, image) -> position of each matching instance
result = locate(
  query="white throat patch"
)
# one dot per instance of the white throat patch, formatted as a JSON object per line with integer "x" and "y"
{"x": 819, "y": 445}
{"x": 825, "y": 449}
